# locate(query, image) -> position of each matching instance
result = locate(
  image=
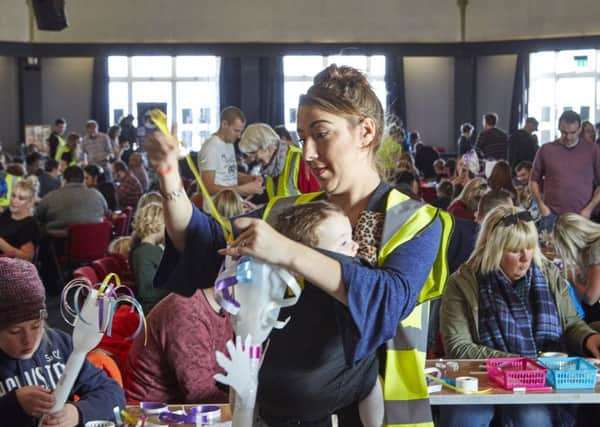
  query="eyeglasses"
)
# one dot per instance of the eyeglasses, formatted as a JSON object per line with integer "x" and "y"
{"x": 512, "y": 219}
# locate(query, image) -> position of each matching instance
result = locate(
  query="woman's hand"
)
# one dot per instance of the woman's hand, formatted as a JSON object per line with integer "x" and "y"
{"x": 68, "y": 416}
{"x": 35, "y": 400}
{"x": 593, "y": 345}
{"x": 162, "y": 150}
{"x": 259, "y": 240}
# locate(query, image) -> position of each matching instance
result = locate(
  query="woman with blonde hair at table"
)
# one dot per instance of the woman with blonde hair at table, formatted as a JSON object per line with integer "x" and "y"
{"x": 323, "y": 362}
{"x": 465, "y": 205}
{"x": 507, "y": 300}
{"x": 577, "y": 243}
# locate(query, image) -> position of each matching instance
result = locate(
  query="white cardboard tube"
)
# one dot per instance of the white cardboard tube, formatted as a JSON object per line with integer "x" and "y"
{"x": 468, "y": 384}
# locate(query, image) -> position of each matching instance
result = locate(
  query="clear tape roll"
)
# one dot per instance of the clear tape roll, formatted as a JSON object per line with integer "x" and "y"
{"x": 468, "y": 384}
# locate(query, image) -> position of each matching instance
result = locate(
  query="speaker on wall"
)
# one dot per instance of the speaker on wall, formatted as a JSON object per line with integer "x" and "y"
{"x": 50, "y": 14}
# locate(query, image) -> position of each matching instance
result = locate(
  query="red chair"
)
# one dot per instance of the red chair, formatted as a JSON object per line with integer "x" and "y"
{"x": 87, "y": 242}
{"x": 120, "y": 224}
{"x": 105, "y": 266}
{"x": 86, "y": 273}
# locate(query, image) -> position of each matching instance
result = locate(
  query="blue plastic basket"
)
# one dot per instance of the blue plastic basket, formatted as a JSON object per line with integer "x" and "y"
{"x": 569, "y": 373}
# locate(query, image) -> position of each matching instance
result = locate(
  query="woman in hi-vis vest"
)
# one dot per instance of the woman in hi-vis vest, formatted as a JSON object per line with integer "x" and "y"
{"x": 286, "y": 173}
{"x": 323, "y": 361}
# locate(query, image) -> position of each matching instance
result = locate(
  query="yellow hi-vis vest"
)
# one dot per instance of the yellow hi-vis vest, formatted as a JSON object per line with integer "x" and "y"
{"x": 404, "y": 387}
{"x": 287, "y": 181}
{"x": 11, "y": 180}
{"x": 62, "y": 150}
{"x": 61, "y": 146}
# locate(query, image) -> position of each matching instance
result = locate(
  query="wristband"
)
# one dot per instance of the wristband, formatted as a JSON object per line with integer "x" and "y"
{"x": 164, "y": 171}
{"x": 172, "y": 195}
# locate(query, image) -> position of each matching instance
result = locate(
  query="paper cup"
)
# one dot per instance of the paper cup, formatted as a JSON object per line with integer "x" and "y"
{"x": 99, "y": 424}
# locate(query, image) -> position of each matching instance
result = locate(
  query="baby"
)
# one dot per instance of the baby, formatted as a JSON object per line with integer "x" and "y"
{"x": 323, "y": 225}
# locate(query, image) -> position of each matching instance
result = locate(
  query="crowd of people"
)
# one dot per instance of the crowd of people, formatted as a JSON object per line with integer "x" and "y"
{"x": 388, "y": 227}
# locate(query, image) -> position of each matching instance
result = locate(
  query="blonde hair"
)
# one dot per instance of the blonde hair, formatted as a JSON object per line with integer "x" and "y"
{"x": 147, "y": 198}
{"x": 148, "y": 220}
{"x": 572, "y": 235}
{"x": 121, "y": 246}
{"x": 472, "y": 192}
{"x": 31, "y": 185}
{"x": 228, "y": 203}
{"x": 495, "y": 239}
{"x": 258, "y": 136}
{"x": 73, "y": 142}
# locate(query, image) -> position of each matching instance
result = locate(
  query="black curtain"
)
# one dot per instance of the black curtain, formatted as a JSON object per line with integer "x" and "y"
{"x": 230, "y": 82}
{"x": 520, "y": 96}
{"x": 394, "y": 85}
{"x": 271, "y": 90}
{"x": 100, "y": 92}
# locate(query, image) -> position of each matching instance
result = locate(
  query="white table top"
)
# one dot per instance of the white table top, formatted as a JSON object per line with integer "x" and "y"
{"x": 500, "y": 396}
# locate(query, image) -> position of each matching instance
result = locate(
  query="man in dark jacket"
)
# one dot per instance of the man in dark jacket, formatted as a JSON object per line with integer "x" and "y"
{"x": 522, "y": 144}
{"x": 492, "y": 142}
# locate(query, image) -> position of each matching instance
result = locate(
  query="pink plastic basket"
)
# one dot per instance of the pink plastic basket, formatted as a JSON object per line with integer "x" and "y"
{"x": 514, "y": 372}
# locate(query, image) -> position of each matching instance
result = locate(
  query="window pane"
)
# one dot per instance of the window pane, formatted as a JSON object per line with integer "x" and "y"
{"x": 357, "y": 61}
{"x": 597, "y": 117}
{"x": 292, "y": 91}
{"x": 576, "y": 61}
{"x": 118, "y": 104}
{"x": 152, "y": 92}
{"x": 576, "y": 93}
{"x": 379, "y": 88}
{"x": 117, "y": 66}
{"x": 302, "y": 65}
{"x": 196, "y": 66}
{"x": 151, "y": 66}
{"x": 542, "y": 106}
{"x": 542, "y": 63}
{"x": 377, "y": 65}
{"x": 197, "y": 112}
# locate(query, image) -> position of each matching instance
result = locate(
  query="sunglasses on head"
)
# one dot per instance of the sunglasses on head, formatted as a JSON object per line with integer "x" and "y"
{"x": 512, "y": 219}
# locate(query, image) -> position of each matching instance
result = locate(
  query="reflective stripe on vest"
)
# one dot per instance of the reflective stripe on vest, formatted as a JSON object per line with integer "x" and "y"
{"x": 287, "y": 181}
{"x": 405, "y": 389}
{"x": 11, "y": 180}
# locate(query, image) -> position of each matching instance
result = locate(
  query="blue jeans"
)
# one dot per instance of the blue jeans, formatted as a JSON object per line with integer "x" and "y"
{"x": 482, "y": 415}
{"x": 547, "y": 223}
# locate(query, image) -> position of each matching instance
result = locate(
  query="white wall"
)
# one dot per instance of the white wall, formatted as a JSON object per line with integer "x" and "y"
{"x": 495, "y": 78}
{"x": 519, "y": 19}
{"x": 67, "y": 90}
{"x": 283, "y": 21}
{"x": 9, "y": 103}
{"x": 429, "y": 84}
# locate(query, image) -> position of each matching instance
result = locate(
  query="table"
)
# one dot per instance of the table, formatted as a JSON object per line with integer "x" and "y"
{"x": 136, "y": 412}
{"x": 500, "y": 396}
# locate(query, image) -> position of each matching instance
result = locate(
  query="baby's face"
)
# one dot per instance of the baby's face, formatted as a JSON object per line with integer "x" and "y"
{"x": 335, "y": 235}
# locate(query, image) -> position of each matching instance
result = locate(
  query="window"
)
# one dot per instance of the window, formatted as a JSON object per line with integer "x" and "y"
{"x": 187, "y": 85}
{"x": 299, "y": 71}
{"x": 561, "y": 81}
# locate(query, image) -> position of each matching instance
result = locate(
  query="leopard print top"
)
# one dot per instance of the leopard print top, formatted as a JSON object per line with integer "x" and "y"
{"x": 367, "y": 233}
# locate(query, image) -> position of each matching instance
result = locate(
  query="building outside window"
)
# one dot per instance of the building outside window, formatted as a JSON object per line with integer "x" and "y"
{"x": 560, "y": 81}
{"x": 188, "y": 86}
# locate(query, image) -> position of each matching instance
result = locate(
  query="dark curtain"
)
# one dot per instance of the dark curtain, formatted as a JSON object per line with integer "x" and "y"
{"x": 271, "y": 90}
{"x": 100, "y": 111}
{"x": 230, "y": 82}
{"x": 394, "y": 85}
{"x": 520, "y": 96}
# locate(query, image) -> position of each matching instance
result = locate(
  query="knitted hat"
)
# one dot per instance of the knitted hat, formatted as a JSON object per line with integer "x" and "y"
{"x": 22, "y": 294}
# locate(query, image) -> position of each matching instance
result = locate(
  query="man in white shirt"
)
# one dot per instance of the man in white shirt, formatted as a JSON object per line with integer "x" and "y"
{"x": 216, "y": 160}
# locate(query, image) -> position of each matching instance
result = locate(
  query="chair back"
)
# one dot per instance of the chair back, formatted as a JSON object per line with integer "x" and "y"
{"x": 106, "y": 265}
{"x": 87, "y": 242}
{"x": 86, "y": 273}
